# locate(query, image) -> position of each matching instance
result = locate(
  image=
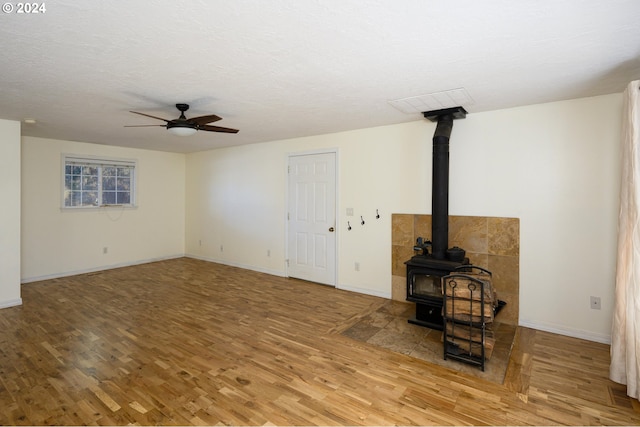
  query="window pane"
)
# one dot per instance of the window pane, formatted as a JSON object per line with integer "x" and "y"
{"x": 109, "y": 171}
{"x": 123, "y": 198}
{"x": 76, "y": 182}
{"x": 124, "y": 171}
{"x": 89, "y": 198}
{"x": 76, "y": 170}
{"x": 123, "y": 184}
{"x": 90, "y": 183}
{"x": 90, "y": 170}
{"x": 108, "y": 183}
{"x": 76, "y": 198}
{"x": 108, "y": 198}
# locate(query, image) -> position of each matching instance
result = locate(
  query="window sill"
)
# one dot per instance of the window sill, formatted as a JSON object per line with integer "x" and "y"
{"x": 97, "y": 208}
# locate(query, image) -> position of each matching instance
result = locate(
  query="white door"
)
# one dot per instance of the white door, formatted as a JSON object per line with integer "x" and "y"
{"x": 312, "y": 217}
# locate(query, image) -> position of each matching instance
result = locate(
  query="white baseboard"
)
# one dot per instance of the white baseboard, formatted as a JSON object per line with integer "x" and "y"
{"x": 94, "y": 269}
{"x": 386, "y": 295}
{"x": 358, "y": 290}
{"x": 570, "y": 332}
{"x": 10, "y": 303}
{"x": 239, "y": 265}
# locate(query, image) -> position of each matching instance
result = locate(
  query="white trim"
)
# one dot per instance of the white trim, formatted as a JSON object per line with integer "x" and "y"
{"x": 238, "y": 265}
{"x": 99, "y": 160}
{"x": 386, "y": 295}
{"x": 365, "y": 291}
{"x": 337, "y": 206}
{"x": 101, "y": 268}
{"x": 336, "y": 152}
{"x": 10, "y": 303}
{"x": 98, "y": 208}
{"x": 312, "y": 152}
{"x": 570, "y": 332}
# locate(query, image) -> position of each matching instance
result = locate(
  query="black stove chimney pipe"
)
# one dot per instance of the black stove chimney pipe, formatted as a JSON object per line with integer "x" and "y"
{"x": 440, "y": 179}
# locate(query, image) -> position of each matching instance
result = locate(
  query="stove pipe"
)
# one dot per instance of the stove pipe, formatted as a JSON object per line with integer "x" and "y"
{"x": 440, "y": 179}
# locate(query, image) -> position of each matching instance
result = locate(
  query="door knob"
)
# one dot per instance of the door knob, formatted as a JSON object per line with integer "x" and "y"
{"x": 331, "y": 229}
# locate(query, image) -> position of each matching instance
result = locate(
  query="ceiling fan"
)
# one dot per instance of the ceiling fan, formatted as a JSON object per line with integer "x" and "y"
{"x": 184, "y": 127}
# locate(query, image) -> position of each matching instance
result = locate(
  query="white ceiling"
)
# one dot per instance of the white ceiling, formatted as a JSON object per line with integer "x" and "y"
{"x": 280, "y": 69}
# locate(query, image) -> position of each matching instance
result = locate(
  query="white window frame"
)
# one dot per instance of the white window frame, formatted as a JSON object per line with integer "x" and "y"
{"x": 100, "y": 162}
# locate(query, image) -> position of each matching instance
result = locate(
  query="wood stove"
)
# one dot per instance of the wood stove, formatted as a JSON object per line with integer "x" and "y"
{"x": 425, "y": 270}
{"x": 436, "y": 260}
{"x": 424, "y": 287}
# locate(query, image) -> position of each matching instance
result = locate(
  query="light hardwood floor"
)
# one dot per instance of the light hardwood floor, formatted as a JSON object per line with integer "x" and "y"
{"x": 190, "y": 342}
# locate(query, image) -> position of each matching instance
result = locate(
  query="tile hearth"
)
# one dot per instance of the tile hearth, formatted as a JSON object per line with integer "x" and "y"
{"x": 387, "y": 327}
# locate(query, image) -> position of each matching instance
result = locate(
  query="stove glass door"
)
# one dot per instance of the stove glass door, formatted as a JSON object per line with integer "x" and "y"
{"x": 425, "y": 285}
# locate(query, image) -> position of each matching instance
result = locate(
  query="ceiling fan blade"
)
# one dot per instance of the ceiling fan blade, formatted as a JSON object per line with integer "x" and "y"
{"x": 153, "y": 117}
{"x": 203, "y": 120}
{"x": 217, "y": 129}
{"x": 143, "y": 126}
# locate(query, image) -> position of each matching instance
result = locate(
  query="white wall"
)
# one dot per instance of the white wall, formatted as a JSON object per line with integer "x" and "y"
{"x": 9, "y": 213}
{"x": 555, "y": 166}
{"x": 57, "y": 242}
{"x": 236, "y": 206}
{"x": 236, "y": 198}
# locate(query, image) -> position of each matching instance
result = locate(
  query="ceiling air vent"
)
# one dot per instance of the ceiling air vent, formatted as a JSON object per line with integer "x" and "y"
{"x": 433, "y": 101}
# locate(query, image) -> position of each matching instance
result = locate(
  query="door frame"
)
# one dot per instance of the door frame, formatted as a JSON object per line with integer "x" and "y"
{"x": 337, "y": 207}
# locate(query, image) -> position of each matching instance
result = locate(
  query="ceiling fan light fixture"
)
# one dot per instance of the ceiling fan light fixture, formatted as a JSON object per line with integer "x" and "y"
{"x": 179, "y": 130}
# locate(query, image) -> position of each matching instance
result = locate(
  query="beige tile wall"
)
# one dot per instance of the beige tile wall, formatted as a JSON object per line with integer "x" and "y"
{"x": 492, "y": 243}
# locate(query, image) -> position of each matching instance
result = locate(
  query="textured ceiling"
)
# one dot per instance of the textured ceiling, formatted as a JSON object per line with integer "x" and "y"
{"x": 279, "y": 69}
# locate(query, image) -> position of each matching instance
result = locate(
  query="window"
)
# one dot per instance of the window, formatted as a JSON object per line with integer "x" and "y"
{"x": 96, "y": 182}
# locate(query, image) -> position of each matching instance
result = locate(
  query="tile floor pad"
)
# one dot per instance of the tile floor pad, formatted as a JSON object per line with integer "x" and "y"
{"x": 387, "y": 327}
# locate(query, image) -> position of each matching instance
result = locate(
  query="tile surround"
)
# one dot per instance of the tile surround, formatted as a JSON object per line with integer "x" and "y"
{"x": 490, "y": 242}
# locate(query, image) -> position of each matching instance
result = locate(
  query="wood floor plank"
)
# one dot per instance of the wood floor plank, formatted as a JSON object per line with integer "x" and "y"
{"x": 189, "y": 342}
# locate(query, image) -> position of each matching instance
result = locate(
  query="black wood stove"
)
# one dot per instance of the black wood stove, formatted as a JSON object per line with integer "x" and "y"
{"x": 436, "y": 260}
{"x": 423, "y": 287}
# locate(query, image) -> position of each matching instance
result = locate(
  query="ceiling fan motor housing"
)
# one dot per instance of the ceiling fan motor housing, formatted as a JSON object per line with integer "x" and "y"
{"x": 178, "y": 124}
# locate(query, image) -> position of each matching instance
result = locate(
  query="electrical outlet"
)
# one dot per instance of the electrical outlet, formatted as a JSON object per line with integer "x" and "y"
{"x": 349, "y": 211}
{"x": 268, "y": 252}
{"x": 199, "y": 242}
{"x": 105, "y": 250}
{"x": 595, "y": 303}
{"x": 221, "y": 248}
{"x": 357, "y": 266}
